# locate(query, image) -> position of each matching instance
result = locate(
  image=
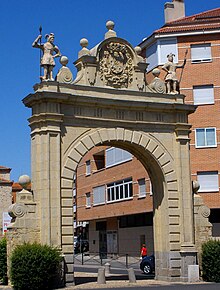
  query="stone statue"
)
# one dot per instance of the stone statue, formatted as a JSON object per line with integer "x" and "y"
{"x": 171, "y": 78}
{"x": 50, "y": 51}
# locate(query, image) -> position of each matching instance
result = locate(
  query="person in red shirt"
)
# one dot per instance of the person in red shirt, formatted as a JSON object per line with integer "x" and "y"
{"x": 143, "y": 251}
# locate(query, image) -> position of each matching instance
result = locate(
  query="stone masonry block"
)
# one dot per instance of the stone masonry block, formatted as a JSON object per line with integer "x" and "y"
{"x": 67, "y": 240}
{"x": 158, "y": 152}
{"x": 136, "y": 137}
{"x": 71, "y": 164}
{"x": 67, "y": 193}
{"x": 170, "y": 177}
{"x": 120, "y": 134}
{"x": 66, "y": 221}
{"x": 87, "y": 141}
{"x": 66, "y": 183}
{"x": 80, "y": 147}
{"x": 67, "y": 202}
{"x": 112, "y": 134}
{"x": 104, "y": 135}
{"x": 67, "y": 230}
{"x": 174, "y": 212}
{"x": 75, "y": 155}
{"x": 175, "y": 263}
{"x": 96, "y": 138}
{"x": 175, "y": 246}
{"x": 174, "y": 255}
{"x": 67, "y": 249}
{"x": 144, "y": 141}
{"x": 174, "y": 220}
{"x": 164, "y": 159}
{"x": 172, "y": 186}
{"x": 151, "y": 145}
{"x": 67, "y": 173}
{"x": 174, "y": 237}
{"x": 168, "y": 167}
{"x": 70, "y": 268}
{"x": 67, "y": 211}
{"x": 69, "y": 259}
{"x": 128, "y": 135}
{"x": 174, "y": 203}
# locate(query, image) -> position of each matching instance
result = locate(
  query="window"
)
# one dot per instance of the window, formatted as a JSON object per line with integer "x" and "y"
{"x": 88, "y": 167}
{"x": 88, "y": 199}
{"x": 99, "y": 159}
{"x": 201, "y": 52}
{"x": 116, "y": 156}
{"x": 165, "y": 47}
{"x": 99, "y": 195}
{"x": 152, "y": 56}
{"x": 208, "y": 181}
{"x": 203, "y": 95}
{"x": 142, "y": 187}
{"x": 119, "y": 190}
{"x": 156, "y": 53}
{"x": 206, "y": 137}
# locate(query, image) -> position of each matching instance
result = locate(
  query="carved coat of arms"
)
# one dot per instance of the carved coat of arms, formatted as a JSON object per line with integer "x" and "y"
{"x": 116, "y": 65}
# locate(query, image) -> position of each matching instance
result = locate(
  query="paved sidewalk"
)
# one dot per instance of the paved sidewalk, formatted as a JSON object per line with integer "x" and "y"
{"x": 89, "y": 281}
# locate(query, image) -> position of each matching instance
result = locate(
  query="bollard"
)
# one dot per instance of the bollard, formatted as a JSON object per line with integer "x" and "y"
{"x": 131, "y": 275}
{"x": 101, "y": 276}
{"x": 107, "y": 268}
{"x": 193, "y": 273}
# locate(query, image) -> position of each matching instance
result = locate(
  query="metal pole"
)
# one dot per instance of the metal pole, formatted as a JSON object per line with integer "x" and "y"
{"x": 40, "y": 30}
{"x": 126, "y": 260}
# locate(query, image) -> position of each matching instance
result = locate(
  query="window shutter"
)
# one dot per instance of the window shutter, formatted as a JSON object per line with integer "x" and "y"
{"x": 208, "y": 181}
{"x": 99, "y": 194}
{"x": 142, "y": 187}
{"x": 203, "y": 95}
{"x": 166, "y": 47}
{"x": 201, "y": 52}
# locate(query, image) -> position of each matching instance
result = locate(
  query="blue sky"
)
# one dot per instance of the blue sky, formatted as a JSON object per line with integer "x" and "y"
{"x": 70, "y": 20}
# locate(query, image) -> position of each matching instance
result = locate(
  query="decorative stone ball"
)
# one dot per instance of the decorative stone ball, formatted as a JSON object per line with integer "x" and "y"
{"x": 84, "y": 42}
{"x": 195, "y": 186}
{"x": 64, "y": 60}
{"x": 137, "y": 49}
{"x": 110, "y": 25}
{"x": 24, "y": 181}
{"x": 156, "y": 72}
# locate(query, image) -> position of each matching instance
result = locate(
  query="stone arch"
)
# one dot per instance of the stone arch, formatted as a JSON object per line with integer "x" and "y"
{"x": 160, "y": 166}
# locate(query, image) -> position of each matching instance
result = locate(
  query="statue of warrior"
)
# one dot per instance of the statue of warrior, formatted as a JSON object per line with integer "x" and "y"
{"x": 50, "y": 51}
{"x": 171, "y": 78}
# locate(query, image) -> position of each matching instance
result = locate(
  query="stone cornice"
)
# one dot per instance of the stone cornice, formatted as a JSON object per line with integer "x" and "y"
{"x": 106, "y": 97}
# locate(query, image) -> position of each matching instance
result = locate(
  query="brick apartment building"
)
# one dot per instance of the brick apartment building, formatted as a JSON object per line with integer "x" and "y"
{"x": 197, "y": 38}
{"x": 114, "y": 196}
{"x": 120, "y": 221}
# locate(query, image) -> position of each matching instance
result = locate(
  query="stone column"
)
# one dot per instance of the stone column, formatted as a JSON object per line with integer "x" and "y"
{"x": 45, "y": 156}
{"x": 187, "y": 251}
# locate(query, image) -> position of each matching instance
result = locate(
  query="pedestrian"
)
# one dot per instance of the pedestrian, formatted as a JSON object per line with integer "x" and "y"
{"x": 143, "y": 251}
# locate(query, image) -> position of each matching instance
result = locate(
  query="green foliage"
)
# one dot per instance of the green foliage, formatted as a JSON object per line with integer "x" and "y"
{"x": 211, "y": 261}
{"x": 3, "y": 261}
{"x": 35, "y": 267}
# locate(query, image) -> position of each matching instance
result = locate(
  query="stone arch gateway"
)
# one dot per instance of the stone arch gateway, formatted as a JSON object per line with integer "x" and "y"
{"x": 109, "y": 103}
